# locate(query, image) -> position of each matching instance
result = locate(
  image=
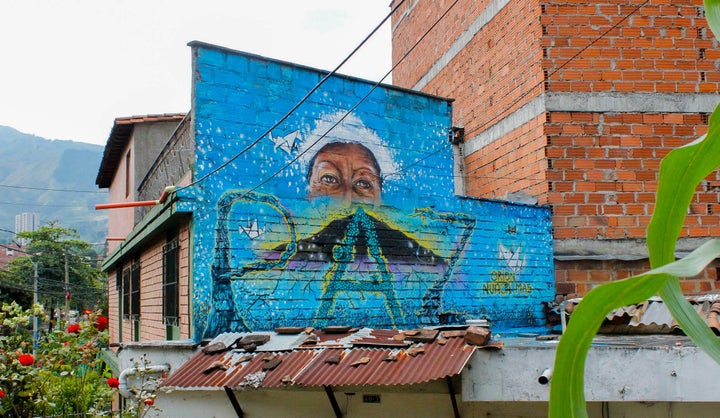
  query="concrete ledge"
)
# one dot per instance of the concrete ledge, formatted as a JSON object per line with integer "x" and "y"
{"x": 619, "y": 368}
{"x": 614, "y": 249}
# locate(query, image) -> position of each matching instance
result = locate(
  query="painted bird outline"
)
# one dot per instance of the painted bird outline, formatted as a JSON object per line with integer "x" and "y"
{"x": 287, "y": 143}
{"x": 511, "y": 258}
{"x": 252, "y": 230}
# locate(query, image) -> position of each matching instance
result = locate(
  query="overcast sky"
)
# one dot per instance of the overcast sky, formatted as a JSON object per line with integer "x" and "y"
{"x": 69, "y": 67}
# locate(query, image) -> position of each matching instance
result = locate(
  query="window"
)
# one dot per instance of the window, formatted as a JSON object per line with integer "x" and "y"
{"x": 131, "y": 297}
{"x": 127, "y": 174}
{"x": 126, "y": 286}
{"x": 135, "y": 290}
{"x": 171, "y": 291}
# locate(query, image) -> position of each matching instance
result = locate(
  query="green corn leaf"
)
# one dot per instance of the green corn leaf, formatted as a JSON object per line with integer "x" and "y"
{"x": 567, "y": 397}
{"x": 712, "y": 14}
{"x": 689, "y": 320}
{"x": 680, "y": 173}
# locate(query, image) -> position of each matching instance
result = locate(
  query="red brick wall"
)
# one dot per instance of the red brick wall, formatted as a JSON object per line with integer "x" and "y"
{"x": 113, "y": 308}
{"x": 598, "y": 170}
{"x": 498, "y": 71}
{"x": 184, "y": 284}
{"x": 614, "y": 46}
{"x": 574, "y": 278}
{"x": 515, "y": 162}
{"x": 603, "y": 173}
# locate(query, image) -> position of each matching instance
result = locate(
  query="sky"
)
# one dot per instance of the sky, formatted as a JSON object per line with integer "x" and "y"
{"x": 69, "y": 68}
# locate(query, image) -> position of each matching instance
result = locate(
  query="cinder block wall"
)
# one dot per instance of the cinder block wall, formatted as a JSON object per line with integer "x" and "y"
{"x": 575, "y": 103}
{"x": 268, "y": 253}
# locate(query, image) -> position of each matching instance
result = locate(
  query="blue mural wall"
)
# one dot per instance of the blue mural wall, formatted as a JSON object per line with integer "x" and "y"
{"x": 338, "y": 218}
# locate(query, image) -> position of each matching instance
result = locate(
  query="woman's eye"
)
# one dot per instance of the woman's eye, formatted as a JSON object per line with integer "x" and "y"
{"x": 363, "y": 184}
{"x": 329, "y": 179}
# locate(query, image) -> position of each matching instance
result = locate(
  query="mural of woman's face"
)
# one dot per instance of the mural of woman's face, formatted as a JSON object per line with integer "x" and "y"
{"x": 346, "y": 171}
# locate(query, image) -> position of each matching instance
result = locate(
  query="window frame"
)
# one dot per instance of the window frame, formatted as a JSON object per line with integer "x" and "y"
{"x": 171, "y": 282}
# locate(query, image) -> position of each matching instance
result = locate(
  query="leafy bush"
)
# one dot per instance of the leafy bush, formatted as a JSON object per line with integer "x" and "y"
{"x": 65, "y": 377}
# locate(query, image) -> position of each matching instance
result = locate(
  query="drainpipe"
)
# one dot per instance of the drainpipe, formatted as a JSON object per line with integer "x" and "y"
{"x": 123, "y": 387}
{"x": 545, "y": 376}
{"x": 163, "y": 197}
{"x": 126, "y": 204}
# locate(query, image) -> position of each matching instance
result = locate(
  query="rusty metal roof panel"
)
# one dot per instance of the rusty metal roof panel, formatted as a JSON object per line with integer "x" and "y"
{"x": 310, "y": 367}
{"x": 368, "y": 366}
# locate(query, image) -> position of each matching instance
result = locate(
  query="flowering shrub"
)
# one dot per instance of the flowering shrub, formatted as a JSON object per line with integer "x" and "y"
{"x": 101, "y": 323}
{"x": 113, "y": 382}
{"x": 26, "y": 359}
{"x": 66, "y": 377}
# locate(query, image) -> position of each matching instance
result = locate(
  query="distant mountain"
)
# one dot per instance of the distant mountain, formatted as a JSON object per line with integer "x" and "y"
{"x": 54, "y": 178}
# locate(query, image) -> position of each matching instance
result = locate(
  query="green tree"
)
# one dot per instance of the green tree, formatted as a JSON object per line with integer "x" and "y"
{"x": 59, "y": 254}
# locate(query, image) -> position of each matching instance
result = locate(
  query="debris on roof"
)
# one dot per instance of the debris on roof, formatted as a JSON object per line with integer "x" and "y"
{"x": 305, "y": 357}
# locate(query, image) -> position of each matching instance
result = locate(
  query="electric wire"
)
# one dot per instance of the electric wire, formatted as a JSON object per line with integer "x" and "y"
{"x": 510, "y": 106}
{"x": 362, "y": 99}
{"x": 571, "y": 59}
{"x": 334, "y": 71}
{"x": 497, "y": 115}
{"x": 298, "y": 104}
{"x": 44, "y": 205}
{"x": 45, "y": 189}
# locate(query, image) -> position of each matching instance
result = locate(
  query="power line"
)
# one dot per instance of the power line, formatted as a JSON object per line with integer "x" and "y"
{"x": 583, "y": 49}
{"x": 45, "y": 189}
{"x": 362, "y": 99}
{"x": 299, "y": 103}
{"x": 42, "y": 205}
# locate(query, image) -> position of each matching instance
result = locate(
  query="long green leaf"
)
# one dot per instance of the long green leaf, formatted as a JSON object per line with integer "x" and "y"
{"x": 680, "y": 173}
{"x": 690, "y": 322}
{"x": 712, "y": 14}
{"x": 567, "y": 398}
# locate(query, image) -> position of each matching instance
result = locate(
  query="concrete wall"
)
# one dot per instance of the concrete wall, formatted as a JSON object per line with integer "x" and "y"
{"x": 121, "y": 221}
{"x": 276, "y": 245}
{"x": 311, "y": 404}
{"x": 574, "y": 104}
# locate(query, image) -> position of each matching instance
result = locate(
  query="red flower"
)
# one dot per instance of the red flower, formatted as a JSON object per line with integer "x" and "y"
{"x": 66, "y": 343}
{"x": 101, "y": 323}
{"x": 73, "y": 329}
{"x": 2, "y": 393}
{"x": 113, "y": 382}
{"x": 26, "y": 359}
{"x": 149, "y": 402}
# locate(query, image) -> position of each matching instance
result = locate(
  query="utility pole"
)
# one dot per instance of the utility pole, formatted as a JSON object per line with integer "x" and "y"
{"x": 35, "y": 301}
{"x": 67, "y": 288}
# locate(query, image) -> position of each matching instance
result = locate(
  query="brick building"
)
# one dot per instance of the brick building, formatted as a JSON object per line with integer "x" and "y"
{"x": 139, "y": 298}
{"x": 574, "y": 104}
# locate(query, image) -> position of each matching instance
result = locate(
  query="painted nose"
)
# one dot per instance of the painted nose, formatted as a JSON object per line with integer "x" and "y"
{"x": 347, "y": 194}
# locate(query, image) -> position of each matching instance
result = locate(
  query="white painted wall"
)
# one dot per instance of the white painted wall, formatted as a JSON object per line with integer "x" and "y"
{"x": 667, "y": 373}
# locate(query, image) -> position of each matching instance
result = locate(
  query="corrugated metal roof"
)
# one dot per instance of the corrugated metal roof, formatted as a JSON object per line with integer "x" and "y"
{"x": 328, "y": 362}
{"x": 653, "y": 317}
